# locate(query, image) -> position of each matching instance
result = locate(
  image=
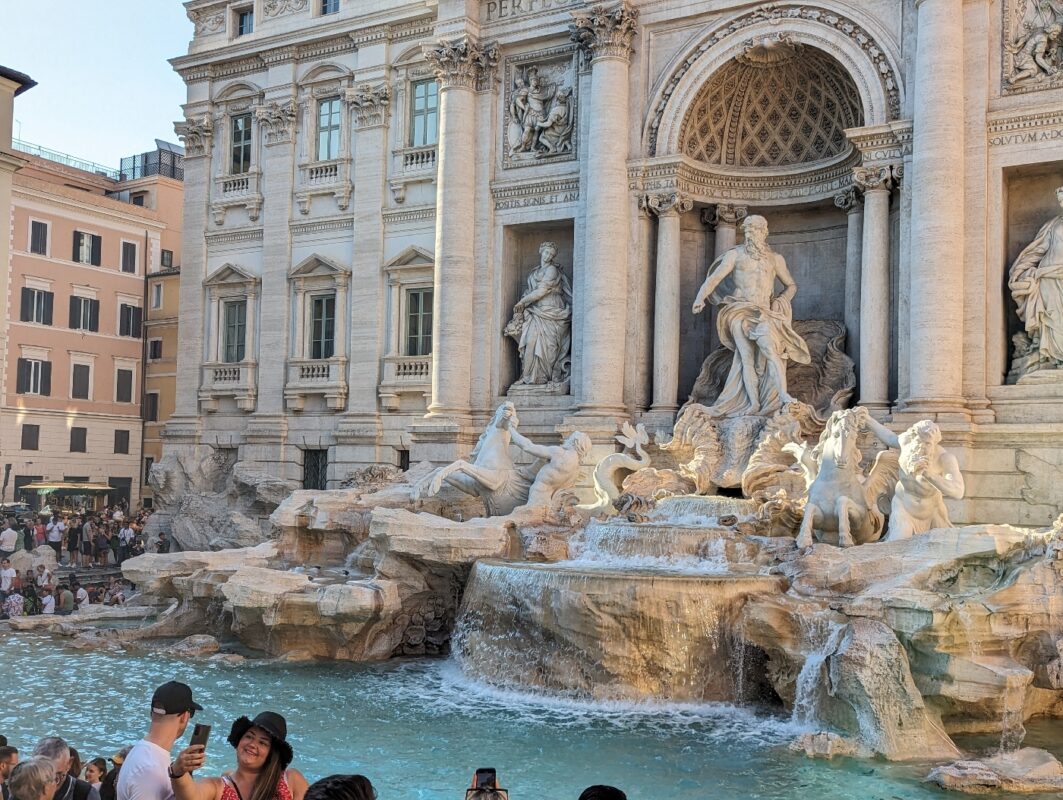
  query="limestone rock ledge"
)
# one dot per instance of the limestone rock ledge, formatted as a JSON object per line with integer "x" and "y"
{"x": 1029, "y": 770}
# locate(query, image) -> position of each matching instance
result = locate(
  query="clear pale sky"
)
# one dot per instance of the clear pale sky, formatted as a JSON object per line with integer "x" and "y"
{"x": 104, "y": 87}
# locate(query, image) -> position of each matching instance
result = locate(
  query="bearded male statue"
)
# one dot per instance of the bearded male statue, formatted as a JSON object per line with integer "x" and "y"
{"x": 754, "y": 322}
{"x": 928, "y": 474}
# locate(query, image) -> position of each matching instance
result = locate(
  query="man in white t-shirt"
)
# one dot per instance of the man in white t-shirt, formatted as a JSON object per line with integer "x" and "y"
{"x": 53, "y": 534}
{"x": 7, "y": 577}
{"x": 145, "y": 773}
{"x": 8, "y": 541}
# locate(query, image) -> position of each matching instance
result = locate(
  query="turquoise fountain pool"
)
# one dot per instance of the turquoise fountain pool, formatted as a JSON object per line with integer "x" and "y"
{"x": 419, "y": 729}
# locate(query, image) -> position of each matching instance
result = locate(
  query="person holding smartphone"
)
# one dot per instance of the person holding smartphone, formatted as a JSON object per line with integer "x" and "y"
{"x": 262, "y": 758}
{"x": 145, "y": 773}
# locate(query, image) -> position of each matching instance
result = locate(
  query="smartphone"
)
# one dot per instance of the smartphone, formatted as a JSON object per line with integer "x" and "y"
{"x": 495, "y": 794}
{"x": 485, "y": 778}
{"x": 200, "y": 734}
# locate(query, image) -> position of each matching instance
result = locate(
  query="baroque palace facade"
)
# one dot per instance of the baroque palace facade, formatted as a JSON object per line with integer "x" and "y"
{"x": 400, "y": 213}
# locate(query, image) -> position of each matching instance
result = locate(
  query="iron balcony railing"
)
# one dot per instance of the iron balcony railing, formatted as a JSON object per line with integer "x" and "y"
{"x": 64, "y": 158}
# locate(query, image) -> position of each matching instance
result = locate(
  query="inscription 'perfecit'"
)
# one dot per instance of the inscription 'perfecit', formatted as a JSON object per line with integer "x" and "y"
{"x": 508, "y": 9}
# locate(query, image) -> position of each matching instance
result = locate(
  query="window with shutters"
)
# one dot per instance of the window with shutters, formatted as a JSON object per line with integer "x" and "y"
{"x": 235, "y": 331}
{"x": 121, "y": 442}
{"x": 88, "y": 248}
{"x": 154, "y": 349}
{"x": 151, "y": 407}
{"x": 39, "y": 237}
{"x": 31, "y": 435}
{"x": 240, "y": 144}
{"x": 330, "y": 6}
{"x": 328, "y": 129}
{"x": 315, "y": 469}
{"x": 123, "y": 390}
{"x": 36, "y": 306}
{"x": 245, "y": 21}
{"x": 78, "y": 440}
{"x": 166, "y": 259}
{"x": 84, "y": 314}
{"x": 34, "y": 376}
{"x": 129, "y": 257}
{"x": 424, "y": 113}
{"x": 156, "y": 295}
{"x": 130, "y": 320}
{"x": 81, "y": 382}
{"x": 323, "y": 326}
{"x": 419, "y": 322}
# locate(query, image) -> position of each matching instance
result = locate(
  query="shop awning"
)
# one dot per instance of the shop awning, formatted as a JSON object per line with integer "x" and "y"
{"x": 67, "y": 487}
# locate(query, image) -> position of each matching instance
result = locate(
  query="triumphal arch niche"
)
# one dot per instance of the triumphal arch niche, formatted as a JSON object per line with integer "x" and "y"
{"x": 790, "y": 113}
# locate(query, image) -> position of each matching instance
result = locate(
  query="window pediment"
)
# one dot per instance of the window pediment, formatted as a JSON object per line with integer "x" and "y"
{"x": 231, "y": 275}
{"x": 316, "y": 266}
{"x": 412, "y": 257}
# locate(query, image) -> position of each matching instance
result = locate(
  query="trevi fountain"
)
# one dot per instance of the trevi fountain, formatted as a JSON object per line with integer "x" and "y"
{"x": 835, "y": 571}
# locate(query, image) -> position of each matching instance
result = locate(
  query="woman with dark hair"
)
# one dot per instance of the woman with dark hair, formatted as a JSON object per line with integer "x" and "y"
{"x": 262, "y": 758}
{"x": 341, "y": 787}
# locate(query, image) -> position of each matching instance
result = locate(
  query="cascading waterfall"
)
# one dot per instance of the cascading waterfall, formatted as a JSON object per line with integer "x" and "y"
{"x": 825, "y": 635}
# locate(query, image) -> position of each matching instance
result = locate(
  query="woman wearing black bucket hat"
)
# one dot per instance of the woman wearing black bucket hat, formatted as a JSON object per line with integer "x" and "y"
{"x": 262, "y": 758}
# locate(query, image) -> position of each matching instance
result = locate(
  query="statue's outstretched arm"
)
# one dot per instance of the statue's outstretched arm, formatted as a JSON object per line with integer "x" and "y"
{"x": 881, "y": 432}
{"x": 528, "y": 446}
{"x": 720, "y": 269}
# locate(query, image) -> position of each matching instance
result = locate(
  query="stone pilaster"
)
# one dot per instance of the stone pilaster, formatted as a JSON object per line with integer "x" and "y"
{"x": 724, "y": 218}
{"x": 666, "y": 305}
{"x": 876, "y": 184}
{"x": 852, "y": 204}
{"x": 461, "y": 66}
{"x": 936, "y": 286}
{"x": 605, "y": 35}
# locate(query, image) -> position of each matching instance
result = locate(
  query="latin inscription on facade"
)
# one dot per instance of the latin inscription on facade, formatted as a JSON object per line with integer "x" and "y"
{"x": 496, "y": 10}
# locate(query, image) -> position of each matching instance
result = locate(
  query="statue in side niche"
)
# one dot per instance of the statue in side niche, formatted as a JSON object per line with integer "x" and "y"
{"x": 1036, "y": 283}
{"x": 542, "y": 324}
{"x": 753, "y": 322}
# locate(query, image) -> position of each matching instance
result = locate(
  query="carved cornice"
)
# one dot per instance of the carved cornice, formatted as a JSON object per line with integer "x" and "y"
{"x": 370, "y": 104}
{"x": 667, "y": 204}
{"x": 870, "y": 179}
{"x": 321, "y": 226}
{"x": 276, "y": 8}
{"x": 462, "y": 63}
{"x": 415, "y": 29}
{"x": 849, "y": 200}
{"x": 277, "y": 121}
{"x": 399, "y": 216}
{"x": 234, "y": 237}
{"x": 196, "y": 134}
{"x": 604, "y": 32}
{"x": 1026, "y": 128}
{"x": 882, "y": 144}
{"x": 209, "y": 19}
{"x": 725, "y": 214}
{"x": 528, "y": 194}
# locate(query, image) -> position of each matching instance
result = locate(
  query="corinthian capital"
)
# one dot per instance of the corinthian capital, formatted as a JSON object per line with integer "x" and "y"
{"x": 848, "y": 200}
{"x": 724, "y": 214}
{"x": 868, "y": 179}
{"x": 605, "y": 31}
{"x": 667, "y": 203}
{"x": 195, "y": 133}
{"x": 370, "y": 103}
{"x": 462, "y": 62}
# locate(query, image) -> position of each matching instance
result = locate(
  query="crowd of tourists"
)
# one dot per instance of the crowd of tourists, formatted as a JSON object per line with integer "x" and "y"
{"x": 147, "y": 770}
{"x": 88, "y": 539}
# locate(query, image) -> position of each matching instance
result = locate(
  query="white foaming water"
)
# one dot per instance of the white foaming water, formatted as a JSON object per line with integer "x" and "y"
{"x": 677, "y": 546}
{"x": 825, "y": 635}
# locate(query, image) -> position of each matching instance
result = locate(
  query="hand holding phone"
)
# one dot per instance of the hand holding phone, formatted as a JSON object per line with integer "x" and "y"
{"x": 200, "y": 735}
{"x": 485, "y": 778}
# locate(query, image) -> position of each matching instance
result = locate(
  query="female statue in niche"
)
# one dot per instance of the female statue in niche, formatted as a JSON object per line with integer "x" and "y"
{"x": 541, "y": 323}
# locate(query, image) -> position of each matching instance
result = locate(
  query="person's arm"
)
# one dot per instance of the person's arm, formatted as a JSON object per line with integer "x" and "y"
{"x": 528, "y": 446}
{"x": 881, "y": 432}
{"x": 546, "y": 285}
{"x": 184, "y": 786}
{"x": 720, "y": 269}
{"x": 782, "y": 272}
{"x": 297, "y": 783}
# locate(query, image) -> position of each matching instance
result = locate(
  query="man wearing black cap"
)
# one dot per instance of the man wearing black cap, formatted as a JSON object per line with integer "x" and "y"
{"x": 145, "y": 771}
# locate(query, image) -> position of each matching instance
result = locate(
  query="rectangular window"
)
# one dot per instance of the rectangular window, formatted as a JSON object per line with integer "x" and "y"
{"x": 235, "y": 331}
{"x": 80, "y": 381}
{"x": 315, "y": 469}
{"x": 151, "y": 407}
{"x": 137, "y": 199}
{"x": 129, "y": 257}
{"x": 323, "y": 326}
{"x": 130, "y": 320}
{"x": 36, "y": 306}
{"x": 328, "y": 129}
{"x": 121, "y": 442}
{"x": 166, "y": 259}
{"x": 154, "y": 349}
{"x": 424, "y": 113}
{"x": 31, "y": 435}
{"x": 39, "y": 238}
{"x": 241, "y": 144}
{"x": 123, "y": 392}
{"x": 245, "y": 22}
{"x": 419, "y": 322}
{"x": 156, "y": 295}
{"x": 78, "y": 440}
{"x": 148, "y": 463}
{"x": 87, "y": 248}
{"x": 33, "y": 377}
{"x": 330, "y": 6}
{"x": 84, "y": 314}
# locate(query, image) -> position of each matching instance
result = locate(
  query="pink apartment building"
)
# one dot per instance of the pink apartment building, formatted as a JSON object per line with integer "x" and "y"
{"x": 73, "y": 372}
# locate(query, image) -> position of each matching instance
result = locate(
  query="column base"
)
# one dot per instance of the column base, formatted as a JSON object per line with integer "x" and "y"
{"x": 913, "y": 409}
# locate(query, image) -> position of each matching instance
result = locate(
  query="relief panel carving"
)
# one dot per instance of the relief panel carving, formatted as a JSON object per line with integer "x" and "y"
{"x": 1033, "y": 45}
{"x": 539, "y": 121}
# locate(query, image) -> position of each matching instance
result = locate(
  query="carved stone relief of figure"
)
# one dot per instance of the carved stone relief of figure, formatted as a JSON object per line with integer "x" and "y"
{"x": 1033, "y": 44}
{"x": 1036, "y": 283}
{"x": 540, "y": 112}
{"x": 542, "y": 325}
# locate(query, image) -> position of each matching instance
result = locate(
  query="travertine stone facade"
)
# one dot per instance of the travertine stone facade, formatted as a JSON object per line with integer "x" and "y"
{"x": 358, "y": 179}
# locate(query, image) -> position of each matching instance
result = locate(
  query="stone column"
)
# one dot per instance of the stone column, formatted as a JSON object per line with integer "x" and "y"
{"x": 459, "y": 65}
{"x": 936, "y": 288}
{"x": 666, "y": 299}
{"x": 852, "y": 204}
{"x": 725, "y": 219}
{"x": 876, "y": 183}
{"x": 605, "y": 37}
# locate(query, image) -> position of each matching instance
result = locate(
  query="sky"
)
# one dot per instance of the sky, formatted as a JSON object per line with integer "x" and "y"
{"x": 104, "y": 87}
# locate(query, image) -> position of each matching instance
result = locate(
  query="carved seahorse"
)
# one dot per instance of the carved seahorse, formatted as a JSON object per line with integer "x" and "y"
{"x": 606, "y": 474}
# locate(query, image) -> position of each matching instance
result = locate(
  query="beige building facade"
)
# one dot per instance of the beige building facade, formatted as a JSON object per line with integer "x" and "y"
{"x": 370, "y": 186}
